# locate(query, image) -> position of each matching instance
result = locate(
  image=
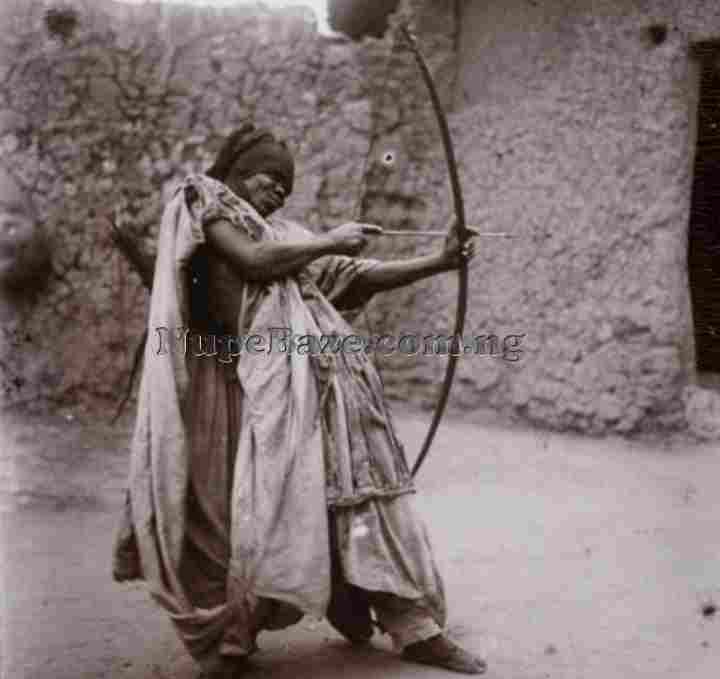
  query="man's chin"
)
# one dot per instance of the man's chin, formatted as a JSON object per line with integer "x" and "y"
{"x": 268, "y": 208}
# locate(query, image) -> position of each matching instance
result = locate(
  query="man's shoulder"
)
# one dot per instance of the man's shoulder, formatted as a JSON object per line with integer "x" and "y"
{"x": 190, "y": 187}
{"x": 199, "y": 181}
{"x": 206, "y": 189}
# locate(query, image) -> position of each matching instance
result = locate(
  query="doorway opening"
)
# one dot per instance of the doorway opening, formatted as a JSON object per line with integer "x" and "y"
{"x": 704, "y": 227}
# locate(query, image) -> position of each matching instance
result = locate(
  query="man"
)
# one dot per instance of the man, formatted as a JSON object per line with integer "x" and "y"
{"x": 266, "y": 482}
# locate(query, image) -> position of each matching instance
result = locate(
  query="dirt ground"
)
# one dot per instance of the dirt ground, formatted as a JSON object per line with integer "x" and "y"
{"x": 564, "y": 558}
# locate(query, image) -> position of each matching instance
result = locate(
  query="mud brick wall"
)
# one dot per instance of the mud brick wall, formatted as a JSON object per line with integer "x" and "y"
{"x": 583, "y": 141}
{"x": 575, "y": 126}
{"x": 574, "y": 132}
{"x": 106, "y": 106}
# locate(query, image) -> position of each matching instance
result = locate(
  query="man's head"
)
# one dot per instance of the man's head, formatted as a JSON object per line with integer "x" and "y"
{"x": 257, "y": 167}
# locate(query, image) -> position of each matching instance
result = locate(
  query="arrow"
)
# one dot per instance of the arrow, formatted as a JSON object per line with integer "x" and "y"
{"x": 443, "y": 234}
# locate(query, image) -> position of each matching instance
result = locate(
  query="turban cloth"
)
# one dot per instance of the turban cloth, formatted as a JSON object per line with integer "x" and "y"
{"x": 254, "y": 151}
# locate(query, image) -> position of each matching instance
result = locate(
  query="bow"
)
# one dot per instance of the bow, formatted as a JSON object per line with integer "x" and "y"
{"x": 463, "y": 233}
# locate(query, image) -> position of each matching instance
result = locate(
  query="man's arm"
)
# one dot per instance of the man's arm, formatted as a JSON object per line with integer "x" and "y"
{"x": 390, "y": 275}
{"x": 264, "y": 261}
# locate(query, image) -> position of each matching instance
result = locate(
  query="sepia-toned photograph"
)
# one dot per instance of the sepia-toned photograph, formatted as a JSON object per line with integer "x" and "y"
{"x": 359, "y": 338}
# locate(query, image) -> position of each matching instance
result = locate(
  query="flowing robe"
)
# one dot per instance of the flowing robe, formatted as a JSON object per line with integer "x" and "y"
{"x": 240, "y": 468}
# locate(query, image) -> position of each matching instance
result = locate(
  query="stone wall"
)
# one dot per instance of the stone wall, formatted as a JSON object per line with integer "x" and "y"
{"x": 105, "y": 106}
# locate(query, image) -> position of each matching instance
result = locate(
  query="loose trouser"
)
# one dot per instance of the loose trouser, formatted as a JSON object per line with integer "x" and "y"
{"x": 214, "y": 430}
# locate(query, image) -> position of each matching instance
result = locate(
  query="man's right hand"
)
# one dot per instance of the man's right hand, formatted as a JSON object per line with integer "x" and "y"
{"x": 352, "y": 237}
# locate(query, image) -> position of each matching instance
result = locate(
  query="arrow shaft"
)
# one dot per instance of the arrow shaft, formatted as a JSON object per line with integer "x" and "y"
{"x": 443, "y": 234}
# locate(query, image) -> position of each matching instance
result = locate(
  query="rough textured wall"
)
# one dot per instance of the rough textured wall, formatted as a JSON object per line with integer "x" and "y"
{"x": 576, "y": 133}
{"x": 96, "y": 122}
{"x": 106, "y": 106}
{"x": 573, "y": 130}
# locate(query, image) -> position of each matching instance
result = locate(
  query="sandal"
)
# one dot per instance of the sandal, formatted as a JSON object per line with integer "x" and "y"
{"x": 439, "y": 651}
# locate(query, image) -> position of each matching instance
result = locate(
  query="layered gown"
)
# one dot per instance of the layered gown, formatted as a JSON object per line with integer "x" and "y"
{"x": 243, "y": 466}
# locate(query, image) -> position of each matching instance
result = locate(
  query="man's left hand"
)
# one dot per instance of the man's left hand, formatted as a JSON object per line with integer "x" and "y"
{"x": 454, "y": 253}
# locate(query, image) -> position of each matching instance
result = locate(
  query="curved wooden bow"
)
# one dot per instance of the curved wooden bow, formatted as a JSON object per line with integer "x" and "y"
{"x": 463, "y": 234}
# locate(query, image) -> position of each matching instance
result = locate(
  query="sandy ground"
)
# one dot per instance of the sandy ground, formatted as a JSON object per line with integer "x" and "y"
{"x": 564, "y": 557}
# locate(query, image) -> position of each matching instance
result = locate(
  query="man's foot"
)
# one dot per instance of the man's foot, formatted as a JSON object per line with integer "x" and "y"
{"x": 441, "y": 652}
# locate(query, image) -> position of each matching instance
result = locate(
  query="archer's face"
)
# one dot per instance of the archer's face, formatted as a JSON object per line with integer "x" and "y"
{"x": 267, "y": 193}
{"x": 263, "y": 191}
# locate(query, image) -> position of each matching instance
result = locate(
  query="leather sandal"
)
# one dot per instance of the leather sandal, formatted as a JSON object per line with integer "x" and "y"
{"x": 439, "y": 651}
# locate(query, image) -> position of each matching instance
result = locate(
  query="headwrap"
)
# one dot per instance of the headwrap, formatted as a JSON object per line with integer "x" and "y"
{"x": 254, "y": 151}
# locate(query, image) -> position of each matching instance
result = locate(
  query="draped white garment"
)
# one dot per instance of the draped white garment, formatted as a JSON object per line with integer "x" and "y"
{"x": 315, "y": 433}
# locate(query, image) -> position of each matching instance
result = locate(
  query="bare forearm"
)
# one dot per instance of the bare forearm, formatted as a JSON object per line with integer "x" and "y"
{"x": 275, "y": 259}
{"x": 266, "y": 260}
{"x": 390, "y": 275}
